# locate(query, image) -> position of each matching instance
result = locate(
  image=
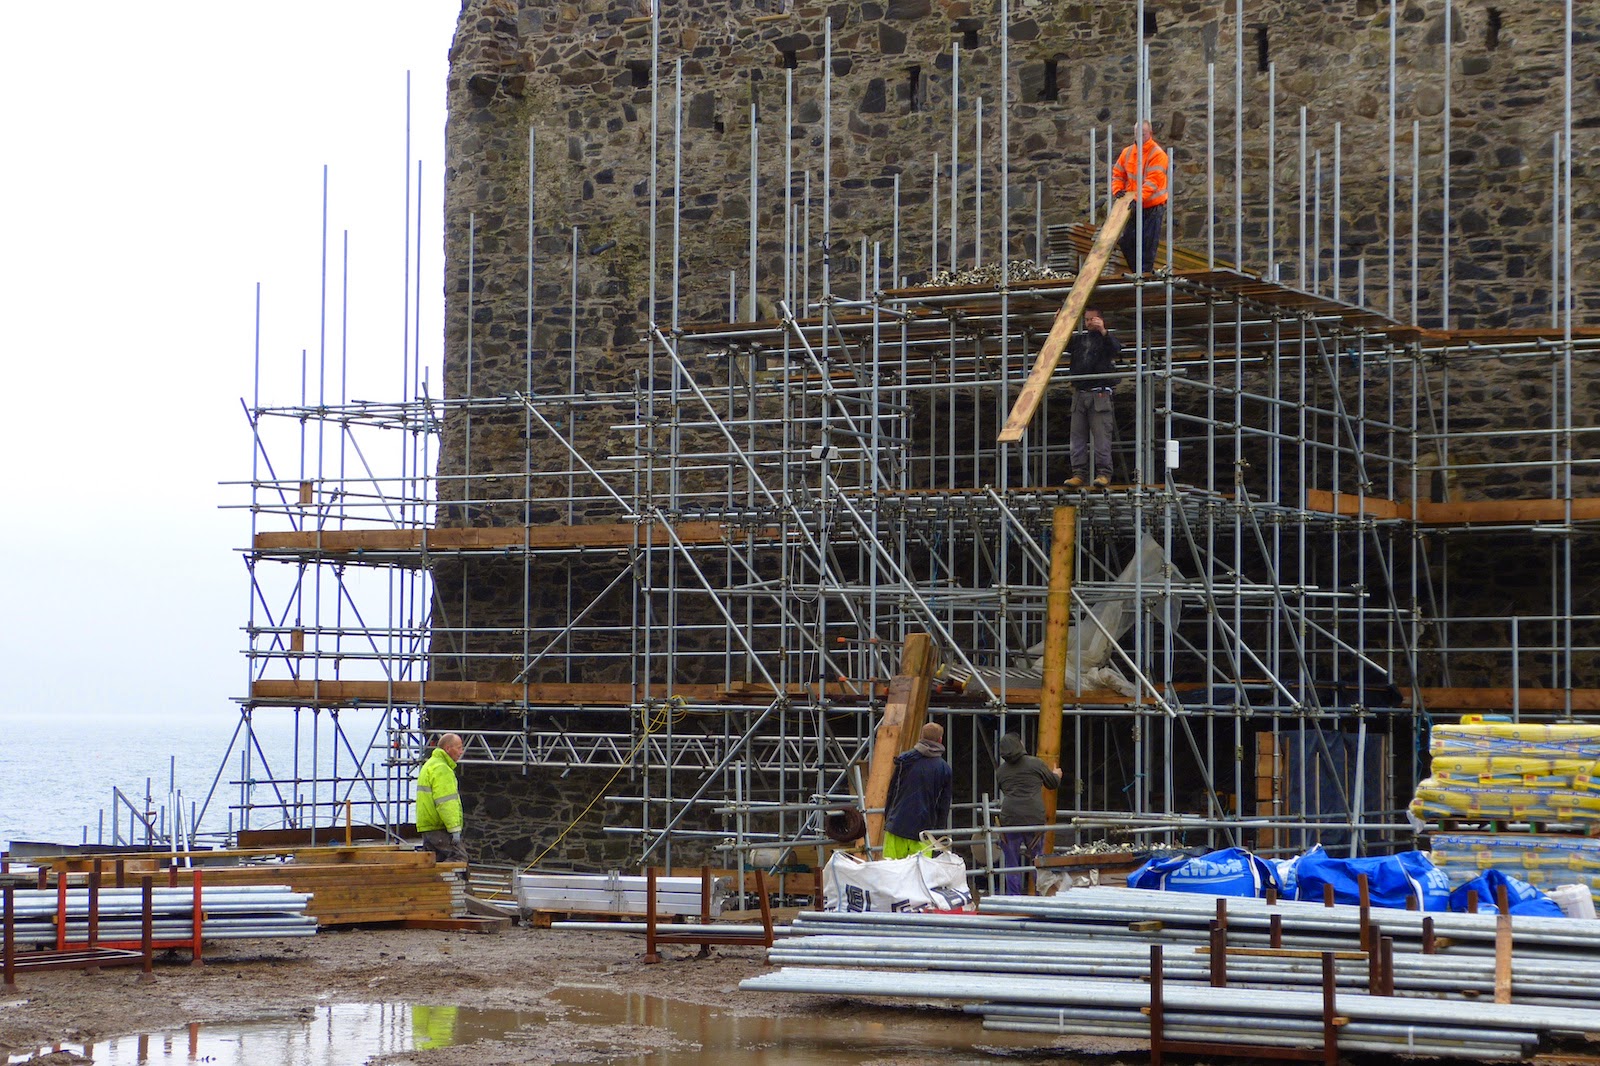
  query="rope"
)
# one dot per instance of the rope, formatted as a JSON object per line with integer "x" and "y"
{"x": 673, "y": 710}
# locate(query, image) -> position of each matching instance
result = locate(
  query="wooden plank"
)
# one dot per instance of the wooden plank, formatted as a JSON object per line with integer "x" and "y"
{"x": 1348, "y": 503}
{"x": 1057, "y": 628}
{"x": 903, "y": 714}
{"x": 362, "y": 885}
{"x": 308, "y": 692}
{"x": 304, "y": 858}
{"x": 290, "y": 838}
{"x": 1288, "y": 953}
{"x": 1455, "y": 513}
{"x": 372, "y": 917}
{"x": 1501, "y": 699}
{"x": 1081, "y": 237}
{"x": 1033, "y": 389}
{"x": 1504, "y": 512}
{"x": 460, "y": 925}
{"x": 1502, "y": 952}
{"x": 467, "y": 538}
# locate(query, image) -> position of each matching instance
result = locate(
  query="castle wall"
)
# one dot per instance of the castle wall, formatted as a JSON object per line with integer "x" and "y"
{"x": 578, "y": 74}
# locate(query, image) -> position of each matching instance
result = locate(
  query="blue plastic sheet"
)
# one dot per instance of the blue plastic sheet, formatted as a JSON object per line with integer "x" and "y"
{"x": 1229, "y": 872}
{"x": 1521, "y": 897}
{"x": 1391, "y": 879}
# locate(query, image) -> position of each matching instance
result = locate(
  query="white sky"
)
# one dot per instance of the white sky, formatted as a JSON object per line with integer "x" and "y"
{"x": 157, "y": 160}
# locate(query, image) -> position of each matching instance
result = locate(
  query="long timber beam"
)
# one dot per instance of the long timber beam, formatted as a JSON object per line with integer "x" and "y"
{"x": 1586, "y": 700}
{"x": 423, "y": 539}
{"x": 309, "y": 693}
{"x": 1457, "y": 513}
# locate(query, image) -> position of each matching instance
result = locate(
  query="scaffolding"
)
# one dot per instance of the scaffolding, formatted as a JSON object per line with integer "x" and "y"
{"x": 706, "y": 574}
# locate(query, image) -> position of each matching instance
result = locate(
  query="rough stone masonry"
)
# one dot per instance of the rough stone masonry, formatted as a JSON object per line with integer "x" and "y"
{"x": 579, "y": 77}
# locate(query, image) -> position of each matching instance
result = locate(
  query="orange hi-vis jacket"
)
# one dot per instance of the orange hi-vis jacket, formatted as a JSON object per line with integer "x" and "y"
{"x": 1125, "y": 175}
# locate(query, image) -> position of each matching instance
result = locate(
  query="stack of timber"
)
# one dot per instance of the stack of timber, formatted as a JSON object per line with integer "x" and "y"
{"x": 1520, "y": 797}
{"x": 548, "y": 894}
{"x": 1069, "y": 242}
{"x": 349, "y": 885}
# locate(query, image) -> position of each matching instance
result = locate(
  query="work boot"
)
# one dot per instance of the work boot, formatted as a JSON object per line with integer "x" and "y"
{"x": 1075, "y": 481}
{"x": 1103, "y": 481}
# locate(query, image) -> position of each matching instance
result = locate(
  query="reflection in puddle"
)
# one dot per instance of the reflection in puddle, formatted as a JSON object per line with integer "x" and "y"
{"x": 712, "y": 1035}
{"x": 337, "y": 1034}
{"x": 345, "y": 1033}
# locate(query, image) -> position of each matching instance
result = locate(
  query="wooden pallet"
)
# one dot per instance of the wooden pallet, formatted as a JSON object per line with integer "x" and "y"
{"x": 470, "y": 924}
{"x": 1517, "y": 826}
{"x": 541, "y": 919}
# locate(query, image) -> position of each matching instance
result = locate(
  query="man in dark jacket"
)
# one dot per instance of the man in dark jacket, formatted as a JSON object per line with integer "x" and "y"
{"x": 919, "y": 795}
{"x": 1093, "y": 371}
{"x": 1022, "y": 779}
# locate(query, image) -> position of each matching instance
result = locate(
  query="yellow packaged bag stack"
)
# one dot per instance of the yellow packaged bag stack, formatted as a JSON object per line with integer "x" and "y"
{"x": 1512, "y": 771}
{"x": 1545, "y": 860}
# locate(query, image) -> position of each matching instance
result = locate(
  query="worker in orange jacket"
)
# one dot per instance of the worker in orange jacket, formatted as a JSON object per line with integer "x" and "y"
{"x": 1142, "y": 166}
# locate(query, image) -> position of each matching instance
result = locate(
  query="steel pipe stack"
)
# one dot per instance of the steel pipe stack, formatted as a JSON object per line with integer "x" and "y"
{"x": 1185, "y": 916}
{"x": 228, "y": 912}
{"x": 1079, "y": 964}
{"x": 1101, "y": 1008}
{"x": 899, "y": 947}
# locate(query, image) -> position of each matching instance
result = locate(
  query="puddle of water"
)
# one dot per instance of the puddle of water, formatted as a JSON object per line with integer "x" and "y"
{"x": 344, "y": 1033}
{"x": 729, "y": 1039}
{"x": 336, "y": 1034}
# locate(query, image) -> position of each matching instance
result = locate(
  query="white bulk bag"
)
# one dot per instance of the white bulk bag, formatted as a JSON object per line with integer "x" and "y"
{"x": 915, "y": 883}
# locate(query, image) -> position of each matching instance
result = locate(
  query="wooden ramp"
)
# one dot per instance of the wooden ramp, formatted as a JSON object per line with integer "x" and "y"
{"x": 904, "y": 711}
{"x": 1066, "y": 321}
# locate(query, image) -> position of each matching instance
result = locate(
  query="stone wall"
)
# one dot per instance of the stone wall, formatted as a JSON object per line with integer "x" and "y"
{"x": 578, "y": 74}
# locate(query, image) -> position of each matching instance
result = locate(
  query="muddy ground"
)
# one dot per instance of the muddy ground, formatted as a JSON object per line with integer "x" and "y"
{"x": 517, "y": 969}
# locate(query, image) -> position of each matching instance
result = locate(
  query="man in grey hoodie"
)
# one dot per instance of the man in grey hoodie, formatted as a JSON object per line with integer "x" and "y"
{"x": 1023, "y": 779}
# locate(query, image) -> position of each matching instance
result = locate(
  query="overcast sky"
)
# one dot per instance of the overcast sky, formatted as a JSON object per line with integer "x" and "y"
{"x": 161, "y": 158}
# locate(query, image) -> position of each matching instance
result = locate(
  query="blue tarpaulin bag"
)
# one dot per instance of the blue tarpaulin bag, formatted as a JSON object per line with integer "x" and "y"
{"x": 1229, "y": 872}
{"x": 1285, "y": 874}
{"x": 1521, "y": 897}
{"x": 1391, "y": 880}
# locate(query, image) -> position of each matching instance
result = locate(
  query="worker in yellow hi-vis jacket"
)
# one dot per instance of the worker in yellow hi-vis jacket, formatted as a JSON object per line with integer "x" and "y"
{"x": 439, "y": 816}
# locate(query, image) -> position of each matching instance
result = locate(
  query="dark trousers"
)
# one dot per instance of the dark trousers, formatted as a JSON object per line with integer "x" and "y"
{"x": 443, "y": 847}
{"x": 1019, "y": 849}
{"x": 1138, "y": 243}
{"x": 1094, "y": 420}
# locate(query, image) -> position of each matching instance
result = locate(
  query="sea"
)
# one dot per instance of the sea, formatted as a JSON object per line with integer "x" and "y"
{"x": 59, "y": 772}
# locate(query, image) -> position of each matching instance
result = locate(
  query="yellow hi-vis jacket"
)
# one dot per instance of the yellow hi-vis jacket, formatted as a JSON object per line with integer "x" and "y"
{"x": 433, "y": 1026}
{"x": 438, "y": 798}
